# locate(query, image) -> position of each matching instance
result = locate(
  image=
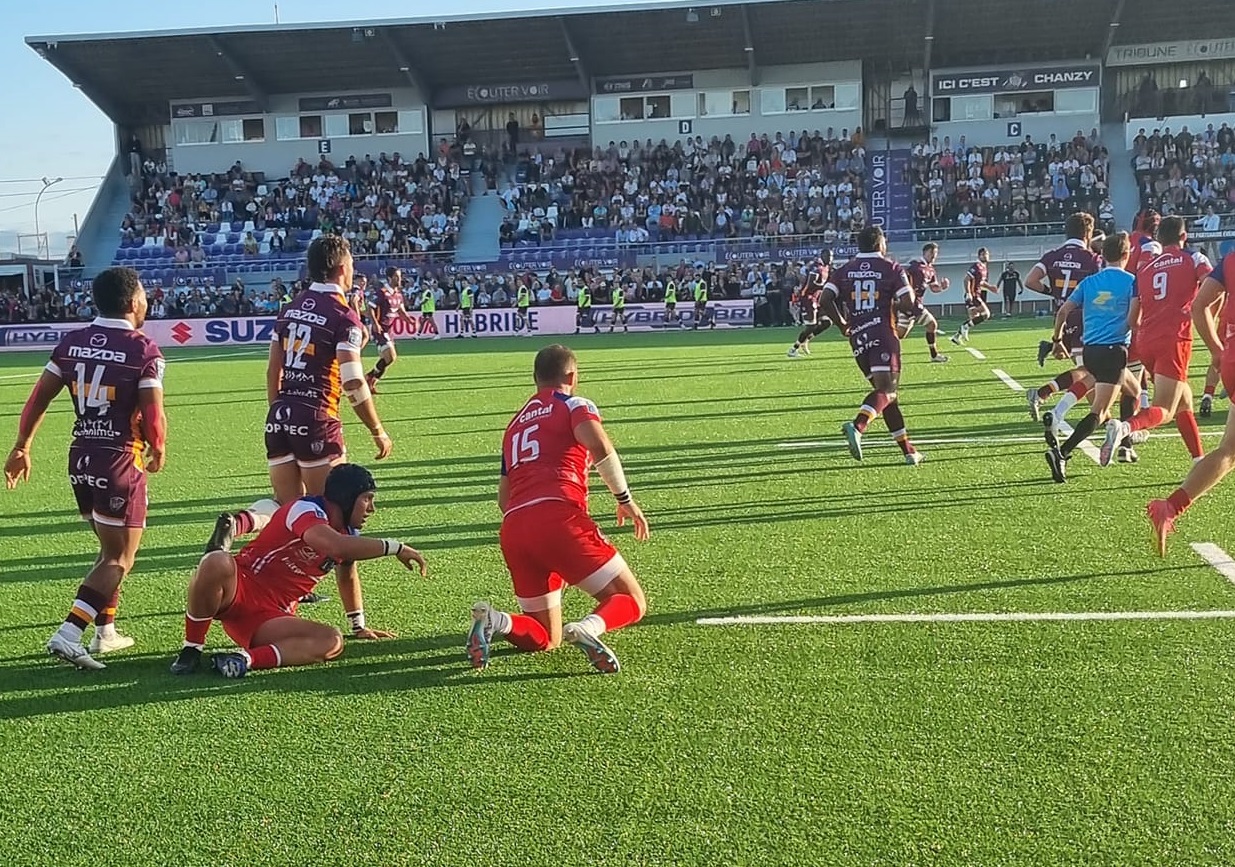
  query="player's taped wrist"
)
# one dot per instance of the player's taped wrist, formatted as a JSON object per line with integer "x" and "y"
{"x": 609, "y": 468}
{"x": 356, "y": 620}
{"x": 360, "y": 394}
{"x": 391, "y": 547}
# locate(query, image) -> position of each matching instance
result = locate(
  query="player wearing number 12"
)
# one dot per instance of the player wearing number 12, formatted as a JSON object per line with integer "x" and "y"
{"x": 872, "y": 290}
{"x": 115, "y": 375}
{"x": 547, "y": 537}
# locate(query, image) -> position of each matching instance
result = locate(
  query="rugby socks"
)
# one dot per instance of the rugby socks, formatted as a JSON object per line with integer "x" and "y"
{"x": 804, "y": 336}
{"x": 1148, "y": 418}
{"x": 253, "y": 519}
{"x": 105, "y": 622}
{"x": 895, "y": 421}
{"x": 1059, "y": 383}
{"x": 617, "y": 611}
{"x": 195, "y": 629}
{"x": 1180, "y": 501}
{"x": 243, "y": 523}
{"x": 1185, "y": 423}
{"x": 1210, "y": 389}
{"x": 379, "y": 368}
{"x": 265, "y": 656}
{"x": 1128, "y": 407}
{"x": 86, "y": 607}
{"x": 872, "y": 406}
{"x": 525, "y": 633}
{"x": 1070, "y": 398}
{"x": 1083, "y": 431}
{"x": 931, "y": 337}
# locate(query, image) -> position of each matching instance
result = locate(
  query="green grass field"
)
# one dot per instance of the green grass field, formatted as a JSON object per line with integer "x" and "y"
{"x": 977, "y": 743}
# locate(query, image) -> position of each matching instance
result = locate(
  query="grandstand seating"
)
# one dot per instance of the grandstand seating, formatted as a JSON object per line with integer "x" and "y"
{"x": 691, "y": 192}
{"x": 1186, "y": 172}
{"x": 999, "y": 190}
{"x": 240, "y": 220}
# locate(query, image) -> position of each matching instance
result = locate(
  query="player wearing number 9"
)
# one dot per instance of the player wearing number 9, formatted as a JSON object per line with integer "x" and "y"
{"x": 115, "y": 376}
{"x": 547, "y": 537}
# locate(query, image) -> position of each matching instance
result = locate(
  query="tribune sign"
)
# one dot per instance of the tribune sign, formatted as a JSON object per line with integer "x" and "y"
{"x": 1185, "y": 51}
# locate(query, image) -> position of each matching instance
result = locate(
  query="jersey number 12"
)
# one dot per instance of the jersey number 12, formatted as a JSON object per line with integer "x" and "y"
{"x": 299, "y": 336}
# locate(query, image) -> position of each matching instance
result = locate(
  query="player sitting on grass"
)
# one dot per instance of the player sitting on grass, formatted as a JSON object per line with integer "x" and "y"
{"x": 254, "y": 593}
{"x": 547, "y": 537}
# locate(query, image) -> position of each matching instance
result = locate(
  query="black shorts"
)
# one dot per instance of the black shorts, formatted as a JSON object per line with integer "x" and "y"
{"x": 1106, "y": 362}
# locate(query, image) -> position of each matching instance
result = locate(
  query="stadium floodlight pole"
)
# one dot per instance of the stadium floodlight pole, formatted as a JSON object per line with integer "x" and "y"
{"x": 39, "y": 240}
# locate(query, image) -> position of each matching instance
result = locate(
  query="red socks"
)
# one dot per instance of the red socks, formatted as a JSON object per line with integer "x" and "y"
{"x": 266, "y": 656}
{"x": 618, "y": 611}
{"x": 1185, "y": 422}
{"x": 195, "y": 631}
{"x": 243, "y": 523}
{"x": 526, "y": 634}
{"x": 1079, "y": 389}
{"x": 1148, "y": 418}
{"x": 1180, "y": 501}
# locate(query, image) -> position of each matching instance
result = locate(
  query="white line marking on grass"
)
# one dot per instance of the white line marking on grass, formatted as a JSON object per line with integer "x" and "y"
{"x": 1216, "y": 557}
{"x": 986, "y": 617}
{"x": 1086, "y": 446}
{"x": 19, "y": 376}
{"x": 959, "y": 441}
{"x": 226, "y": 355}
{"x": 975, "y": 353}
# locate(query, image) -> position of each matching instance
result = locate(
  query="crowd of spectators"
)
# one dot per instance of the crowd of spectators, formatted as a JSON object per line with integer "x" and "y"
{"x": 798, "y": 183}
{"x": 1187, "y": 173}
{"x": 1030, "y": 186}
{"x": 383, "y": 205}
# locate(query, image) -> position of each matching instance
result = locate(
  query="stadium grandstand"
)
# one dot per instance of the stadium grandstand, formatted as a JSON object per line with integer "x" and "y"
{"x": 639, "y": 137}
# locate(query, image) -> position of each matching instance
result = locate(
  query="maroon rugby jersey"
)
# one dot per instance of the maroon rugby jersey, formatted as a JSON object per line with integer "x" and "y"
{"x": 922, "y": 276}
{"x": 979, "y": 272}
{"x": 104, "y": 365}
{"x": 309, "y": 331}
{"x": 868, "y": 286}
{"x": 388, "y": 302}
{"x": 1065, "y": 267}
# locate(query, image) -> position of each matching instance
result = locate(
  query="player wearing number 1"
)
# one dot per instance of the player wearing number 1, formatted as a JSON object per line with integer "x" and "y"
{"x": 1166, "y": 286}
{"x": 547, "y": 537}
{"x": 872, "y": 290}
{"x": 115, "y": 375}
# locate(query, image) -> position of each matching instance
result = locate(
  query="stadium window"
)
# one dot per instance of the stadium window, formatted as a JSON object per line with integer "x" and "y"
{"x": 631, "y": 108}
{"x": 658, "y": 107}
{"x": 606, "y": 109}
{"x": 1080, "y": 99}
{"x": 1034, "y": 102}
{"x": 197, "y": 132}
{"x": 287, "y": 128}
{"x": 723, "y": 103}
{"x": 822, "y": 97}
{"x": 972, "y": 107}
{"x": 242, "y": 130}
{"x": 847, "y": 96}
{"x": 410, "y": 122}
{"x": 772, "y": 101}
{"x": 254, "y": 129}
{"x": 797, "y": 99}
{"x": 310, "y": 126}
{"x": 741, "y": 102}
{"x": 386, "y": 122}
{"x": 941, "y": 110}
{"x": 335, "y": 125}
{"x": 360, "y": 124}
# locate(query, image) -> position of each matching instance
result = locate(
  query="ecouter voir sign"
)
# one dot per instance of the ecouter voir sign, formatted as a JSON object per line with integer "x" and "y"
{"x": 257, "y": 331}
{"x": 509, "y": 92}
{"x": 1016, "y": 80}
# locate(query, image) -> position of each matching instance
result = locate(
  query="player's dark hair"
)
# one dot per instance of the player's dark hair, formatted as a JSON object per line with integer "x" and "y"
{"x": 391, "y": 272}
{"x": 345, "y": 484}
{"x": 982, "y": 250}
{"x": 1171, "y": 231}
{"x": 869, "y": 238}
{"x": 825, "y": 256}
{"x": 553, "y": 364}
{"x": 1147, "y": 221}
{"x": 326, "y": 255}
{"x": 1116, "y": 247}
{"x": 115, "y": 291}
{"x": 928, "y": 246}
{"x": 1079, "y": 226}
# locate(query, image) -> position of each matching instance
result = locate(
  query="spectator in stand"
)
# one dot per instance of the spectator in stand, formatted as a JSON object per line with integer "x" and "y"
{"x": 1183, "y": 173}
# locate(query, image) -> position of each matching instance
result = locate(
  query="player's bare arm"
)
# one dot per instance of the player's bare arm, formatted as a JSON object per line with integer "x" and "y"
{"x": 348, "y": 549}
{"x": 1134, "y": 314}
{"x": 591, "y": 435}
{"x": 17, "y": 465}
{"x": 503, "y": 494}
{"x": 274, "y": 371}
{"x": 347, "y": 578}
{"x": 1061, "y": 317}
{"x": 1205, "y": 314}
{"x": 827, "y": 300}
{"x": 154, "y": 426}
{"x": 351, "y": 371}
{"x": 1035, "y": 281}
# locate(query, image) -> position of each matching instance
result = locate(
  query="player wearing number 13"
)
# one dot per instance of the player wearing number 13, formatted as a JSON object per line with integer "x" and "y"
{"x": 871, "y": 289}
{"x": 547, "y": 537}
{"x": 115, "y": 376}
{"x": 1166, "y": 286}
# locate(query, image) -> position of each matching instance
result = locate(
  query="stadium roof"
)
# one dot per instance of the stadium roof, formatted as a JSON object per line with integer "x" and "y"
{"x": 133, "y": 76}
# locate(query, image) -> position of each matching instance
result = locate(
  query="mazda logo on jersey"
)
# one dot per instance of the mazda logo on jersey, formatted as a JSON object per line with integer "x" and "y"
{"x": 308, "y": 304}
{"x": 98, "y": 339}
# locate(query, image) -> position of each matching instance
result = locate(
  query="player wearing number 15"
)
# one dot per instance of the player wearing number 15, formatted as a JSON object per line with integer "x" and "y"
{"x": 547, "y": 537}
{"x": 115, "y": 376}
{"x": 871, "y": 289}
{"x": 314, "y": 360}
{"x": 1166, "y": 286}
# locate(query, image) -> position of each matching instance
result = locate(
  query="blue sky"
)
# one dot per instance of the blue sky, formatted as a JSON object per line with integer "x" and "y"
{"x": 50, "y": 130}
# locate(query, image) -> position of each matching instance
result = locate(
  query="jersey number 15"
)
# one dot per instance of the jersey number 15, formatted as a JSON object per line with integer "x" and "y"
{"x": 524, "y": 447}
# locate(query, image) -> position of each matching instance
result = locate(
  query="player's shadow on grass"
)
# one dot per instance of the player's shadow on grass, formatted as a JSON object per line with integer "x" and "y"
{"x": 132, "y": 680}
{"x": 798, "y": 606}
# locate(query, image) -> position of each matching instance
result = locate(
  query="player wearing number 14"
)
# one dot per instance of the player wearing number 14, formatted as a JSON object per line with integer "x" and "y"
{"x": 115, "y": 376}
{"x": 547, "y": 536}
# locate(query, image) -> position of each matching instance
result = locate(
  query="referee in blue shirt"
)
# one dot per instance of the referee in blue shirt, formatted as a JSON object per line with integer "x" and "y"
{"x": 1104, "y": 299}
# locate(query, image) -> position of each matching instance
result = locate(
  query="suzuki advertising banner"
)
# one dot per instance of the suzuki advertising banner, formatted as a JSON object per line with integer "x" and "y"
{"x": 257, "y": 331}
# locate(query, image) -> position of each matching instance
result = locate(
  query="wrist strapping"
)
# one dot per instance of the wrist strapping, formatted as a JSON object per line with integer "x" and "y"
{"x": 392, "y": 547}
{"x": 360, "y": 394}
{"x": 611, "y": 473}
{"x": 356, "y": 619}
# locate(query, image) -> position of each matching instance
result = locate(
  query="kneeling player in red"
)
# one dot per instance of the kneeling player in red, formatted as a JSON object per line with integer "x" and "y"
{"x": 254, "y": 593}
{"x": 548, "y": 539}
